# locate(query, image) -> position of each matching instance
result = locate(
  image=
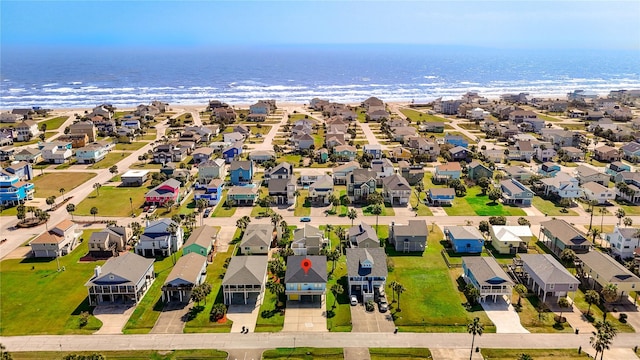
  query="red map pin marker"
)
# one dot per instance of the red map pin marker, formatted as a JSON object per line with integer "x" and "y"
{"x": 306, "y": 265}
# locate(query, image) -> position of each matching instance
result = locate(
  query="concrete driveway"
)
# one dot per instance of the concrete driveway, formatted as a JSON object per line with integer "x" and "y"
{"x": 504, "y": 316}
{"x": 171, "y": 319}
{"x": 305, "y": 316}
{"x": 375, "y": 321}
{"x": 113, "y": 317}
{"x": 243, "y": 315}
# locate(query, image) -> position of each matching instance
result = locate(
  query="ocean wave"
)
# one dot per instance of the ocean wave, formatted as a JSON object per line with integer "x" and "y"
{"x": 74, "y": 83}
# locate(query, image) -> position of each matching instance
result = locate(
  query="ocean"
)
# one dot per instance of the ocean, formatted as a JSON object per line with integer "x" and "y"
{"x": 83, "y": 78}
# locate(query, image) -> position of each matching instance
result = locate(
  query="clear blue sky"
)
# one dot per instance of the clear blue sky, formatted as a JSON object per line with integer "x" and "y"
{"x": 499, "y": 24}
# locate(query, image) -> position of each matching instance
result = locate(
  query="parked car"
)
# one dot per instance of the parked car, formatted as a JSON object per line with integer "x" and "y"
{"x": 146, "y": 208}
{"x": 383, "y": 306}
{"x": 152, "y": 208}
{"x": 305, "y": 219}
{"x": 207, "y": 212}
{"x": 354, "y": 300}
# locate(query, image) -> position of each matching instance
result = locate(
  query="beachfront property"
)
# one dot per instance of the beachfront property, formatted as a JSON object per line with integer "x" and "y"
{"x": 26, "y": 130}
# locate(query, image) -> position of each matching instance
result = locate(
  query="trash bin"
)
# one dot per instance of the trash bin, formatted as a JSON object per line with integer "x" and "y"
{"x": 577, "y": 331}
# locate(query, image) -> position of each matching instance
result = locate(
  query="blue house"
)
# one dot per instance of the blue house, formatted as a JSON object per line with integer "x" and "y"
{"x": 456, "y": 140}
{"x": 210, "y": 192}
{"x": 241, "y": 172}
{"x": 616, "y": 167}
{"x": 23, "y": 170}
{"x": 13, "y": 191}
{"x": 464, "y": 239}
{"x": 549, "y": 169}
{"x": 232, "y": 151}
{"x": 441, "y": 196}
{"x": 306, "y": 277}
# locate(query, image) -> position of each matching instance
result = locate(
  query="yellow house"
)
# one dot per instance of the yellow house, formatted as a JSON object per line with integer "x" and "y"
{"x": 510, "y": 239}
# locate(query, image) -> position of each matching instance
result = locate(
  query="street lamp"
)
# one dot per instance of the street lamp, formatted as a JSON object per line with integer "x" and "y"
{"x": 131, "y": 204}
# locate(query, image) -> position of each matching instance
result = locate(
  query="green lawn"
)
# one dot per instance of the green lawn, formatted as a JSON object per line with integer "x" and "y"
{"x": 114, "y": 201}
{"x": 54, "y": 123}
{"x": 629, "y": 208}
{"x": 292, "y": 159}
{"x": 303, "y": 206}
{"x": 37, "y": 299}
{"x": 597, "y": 314}
{"x": 221, "y": 210}
{"x": 440, "y": 308}
{"x": 67, "y": 164}
{"x": 338, "y": 310}
{"x": 386, "y": 211}
{"x": 269, "y": 318}
{"x": 49, "y": 184}
{"x": 129, "y": 354}
{"x": 537, "y": 322}
{"x": 416, "y": 116}
{"x": 400, "y": 353}
{"x": 109, "y": 160}
{"x": 485, "y": 207}
{"x": 215, "y": 273}
{"x": 132, "y": 146}
{"x": 304, "y": 353}
{"x": 149, "y": 308}
{"x": 423, "y": 209}
{"x": 537, "y": 354}
{"x": 549, "y": 208}
{"x": 460, "y": 207}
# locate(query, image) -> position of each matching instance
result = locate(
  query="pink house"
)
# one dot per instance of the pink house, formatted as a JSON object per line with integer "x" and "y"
{"x": 168, "y": 190}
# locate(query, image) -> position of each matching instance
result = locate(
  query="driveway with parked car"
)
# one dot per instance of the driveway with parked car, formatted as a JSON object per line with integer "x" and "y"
{"x": 371, "y": 321}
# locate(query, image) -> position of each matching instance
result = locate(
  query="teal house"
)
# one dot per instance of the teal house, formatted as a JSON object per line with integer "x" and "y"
{"x": 477, "y": 170}
{"x": 200, "y": 241}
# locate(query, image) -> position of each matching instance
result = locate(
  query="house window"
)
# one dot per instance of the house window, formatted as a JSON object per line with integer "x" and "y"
{"x": 551, "y": 286}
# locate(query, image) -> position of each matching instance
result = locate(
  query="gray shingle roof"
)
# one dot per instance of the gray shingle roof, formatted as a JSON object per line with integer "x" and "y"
{"x": 202, "y": 236}
{"x": 463, "y": 232}
{"x": 396, "y": 182}
{"x": 187, "y": 268}
{"x": 129, "y": 268}
{"x": 548, "y": 269}
{"x": 363, "y": 232}
{"x": 317, "y": 272}
{"x": 244, "y": 165}
{"x": 486, "y": 270}
{"x": 246, "y": 270}
{"x": 257, "y": 235}
{"x": 355, "y": 257}
{"x": 566, "y": 233}
{"x": 607, "y": 268}
{"x": 413, "y": 228}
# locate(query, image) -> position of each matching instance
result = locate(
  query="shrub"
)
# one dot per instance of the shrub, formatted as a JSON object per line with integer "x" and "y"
{"x": 623, "y": 318}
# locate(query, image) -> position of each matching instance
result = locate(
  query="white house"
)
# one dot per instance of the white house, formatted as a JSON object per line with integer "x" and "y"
{"x": 563, "y": 185}
{"x": 593, "y": 191}
{"x": 623, "y": 241}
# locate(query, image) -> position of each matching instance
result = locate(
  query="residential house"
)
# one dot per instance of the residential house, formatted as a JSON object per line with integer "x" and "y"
{"x": 363, "y": 236}
{"x": 409, "y": 238}
{"x": 245, "y": 280}
{"x": 284, "y": 170}
{"x": 593, "y": 191}
{"x": 309, "y": 176}
{"x": 495, "y": 155}
{"x": 256, "y": 239}
{"x": 523, "y": 151}
{"x": 445, "y": 172}
{"x": 623, "y": 241}
{"x": 306, "y": 278}
{"x": 14, "y": 191}
{"x": 573, "y": 153}
{"x": 30, "y": 155}
{"x": 477, "y": 170}
{"x": 486, "y": 275}
{"x": 560, "y": 138}
{"x": 361, "y": 183}
{"x": 7, "y": 117}
{"x": 260, "y": 156}
{"x": 85, "y": 127}
{"x": 375, "y": 150}
{"x": 212, "y": 169}
{"x": 201, "y": 241}
{"x": 241, "y": 172}
{"x": 459, "y": 153}
{"x": 110, "y": 241}
{"x": 92, "y": 153}
{"x": 7, "y": 153}
{"x": 396, "y": 190}
{"x": 243, "y": 195}
{"x": 161, "y": 237}
{"x": 587, "y": 174}
{"x": 424, "y": 146}
{"x": 189, "y": 271}
{"x": 320, "y": 190}
{"x": 432, "y": 127}
{"x": 400, "y": 154}
{"x": 606, "y": 153}
{"x": 76, "y": 140}
{"x": 123, "y": 279}
{"x": 283, "y": 191}
{"x": 545, "y": 276}
{"x": 366, "y": 270}
{"x": 413, "y": 173}
{"x": 308, "y": 240}
{"x": 510, "y": 239}
{"x": 260, "y": 108}
{"x": 631, "y": 151}
{"x": 56, "y": 152}
{"x": 345, "y": 152}
{"x": 27, "y": 130}
{"x": 200, "y": 133}
{"x": 616, "y": 167}
{"x": 441, "y": 196}
{"x": 549, "y": 169}
{"x": 232, "y": 152}
{"x": 601, "y": 269}
{"x": 166, "y": 153}
{"x": 559, "y": 235}
{"x": 563, "y": 185}
{"x": 211, "y": 192}
{"x": 202, "y": 154}
{"x": 464, "y": 239}
{"x": 342, "y": 172}
{"x": 402, "y": 133}
{"x": 224, "y": 114}
{"x": 22, "y": 169}
{"x": 169, "y": 190}
{"x": 515, "y": 193}
{"x": 58, "y": 241}
{"x": 456, "y": 140}
{"x": 233, "y": 137}
{"x": 372, "y": 104}
{"x": 383, "y": 168}
{"x": 102, "y": 111}
{"x": 632, "y": 180}
{"x": 303, "y": 141}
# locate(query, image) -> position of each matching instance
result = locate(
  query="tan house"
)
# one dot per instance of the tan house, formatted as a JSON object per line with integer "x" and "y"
{"x": 84, "y": 127}
{"x": 59, "y": 241}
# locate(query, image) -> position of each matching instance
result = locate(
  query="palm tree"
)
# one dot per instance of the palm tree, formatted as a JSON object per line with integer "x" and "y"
{"x": 341, "y": 234}
{"x": 592, "y": 204}
{"x": 97, "y": 186}
{"x": 328, "y": 229}
{"x": 567, "y": 256}
{"x": 595, "y": 232}
{"x": 336, "y": 289}
{"x": 62, "y": 191}
{"x": 610, "y": 292}
{"x": 393, "y": 285}
{"x": 603, "y": 337}
{"x": 44, "y": 216}
{"x": 524, "y": 356}
{"x": 201, "y": 204}
{"x": 521, "y": 290}
{"x": 419, "y": 189}
{"x": 376, "y": 210}
{"x": 94, "y": 212}
{"x": 474, "y": 328}
{"x": 333, "y": 256}
{"x": 399, "y": 290}
{"x": 352, "y": 214}
{"x": 70, "y": 209}
{"x": 332, "y": 200}
{"x": 243, "y": 222}
{"x": 620, "y": 213}
{"x": 627, "y": 221}
{"x": 591, "y": 297}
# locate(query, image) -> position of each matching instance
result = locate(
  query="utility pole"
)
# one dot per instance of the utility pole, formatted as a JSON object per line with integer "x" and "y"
{"x": 57, "y": 259}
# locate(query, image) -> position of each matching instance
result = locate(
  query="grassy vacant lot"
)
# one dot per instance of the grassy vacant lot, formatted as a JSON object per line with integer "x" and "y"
{"x": 549, "y": 208}
{"x": 338, "y": 316}
{"x": 114, "y": 201}
{"x": 485, "y": 207}
{"x": 132, "y": 146}
{"x": 537, "y": 322}
{"x": 538, "y": 354}
{"x": 54, "y": 123}
{"x": 303, "y": 353}
{"x": 438, "y": 310}
{"x": 129, "y": 354}
{"x": 109, "y": 160}
{"x": 292, "y": 159}
{"x": 49, "y": 184}
{"x": 37, "y": 299}
{"x": 386, "y": 211}
{"x": 215, "y": 273}
{"x": 400, "y": 353}
{"x": 629, "y": 208}
{"x": 460, "y": 207}
{"x": 416, "y": 116}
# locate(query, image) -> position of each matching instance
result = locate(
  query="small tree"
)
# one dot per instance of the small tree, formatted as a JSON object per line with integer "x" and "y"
{"x": 521, "y": 290}
{"x": 94, "y": 212}
{"x": 474, "y": 328}
{"x": 627, "y": 221}
{"x": 567, "y": 256}
{"x": 62, "y": 191}
{"x": 620, "y": 213}
{"x": 71, "y": 208}
{"x": 352, "y": 215}
{"x": 610, "y": 292}
{"x": 484, "y": 183}
{"x": 51, "y": 200}
{"x": 591, "y": 297}
{"x": 495, "y": 194}
{"x": 336, "y": 289}
{"x": 113, "y": 170}
{"x": 484, "y": 226}
{"x": 563, "y": 303}
{"x": 218, "y": 311}
{"x": 399, "y": 290}
{"x": 524, "y": 356}
{"x": 392, "y": 286}
{"x": 97, "y": 186}
{"x": 523, "y": 221}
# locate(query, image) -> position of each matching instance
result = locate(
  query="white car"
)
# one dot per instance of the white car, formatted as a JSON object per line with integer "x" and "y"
{"x": 354, "y": 300}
